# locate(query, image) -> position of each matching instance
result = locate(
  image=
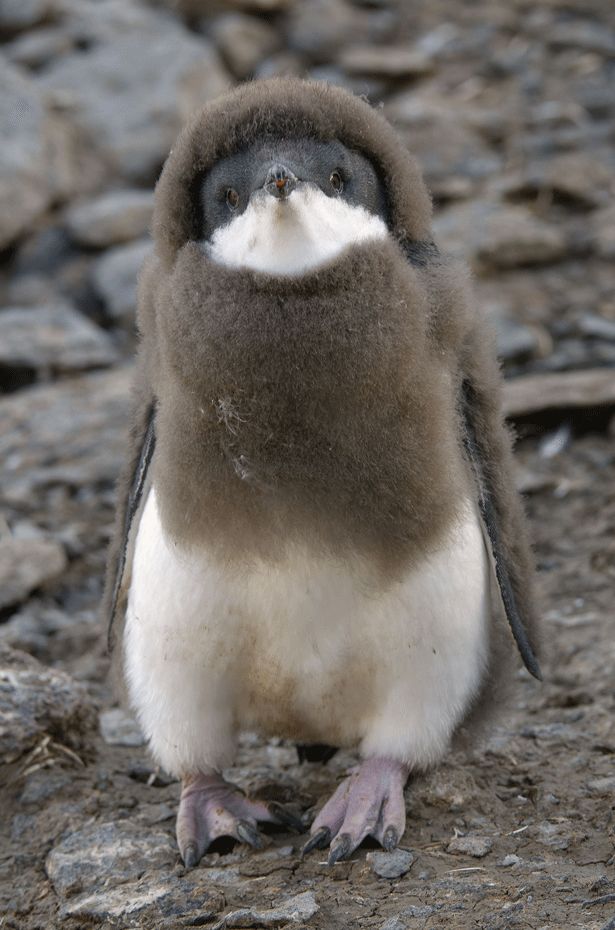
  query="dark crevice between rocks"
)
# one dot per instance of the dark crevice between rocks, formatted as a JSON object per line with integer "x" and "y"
{"x": 583, "y": 421}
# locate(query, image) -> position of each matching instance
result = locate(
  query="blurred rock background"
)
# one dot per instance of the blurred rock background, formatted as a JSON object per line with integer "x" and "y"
{"x": 510, "y": 109}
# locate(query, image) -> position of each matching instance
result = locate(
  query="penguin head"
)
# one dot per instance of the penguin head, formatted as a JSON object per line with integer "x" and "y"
{"x": 282, "y": 175}
{"x": 286, "y": 206}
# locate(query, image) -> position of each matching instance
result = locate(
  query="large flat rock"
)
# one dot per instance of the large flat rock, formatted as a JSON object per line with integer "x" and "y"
{"x": 52, "y": 339}
{"x": 130, "y": 94}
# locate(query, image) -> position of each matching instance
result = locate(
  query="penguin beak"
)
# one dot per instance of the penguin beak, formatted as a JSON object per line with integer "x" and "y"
{"x": 280, "y": 182}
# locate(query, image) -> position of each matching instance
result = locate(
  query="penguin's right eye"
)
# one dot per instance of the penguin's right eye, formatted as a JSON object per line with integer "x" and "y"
{"x": 336, "y": 182}
{"x": 232, "y": 198}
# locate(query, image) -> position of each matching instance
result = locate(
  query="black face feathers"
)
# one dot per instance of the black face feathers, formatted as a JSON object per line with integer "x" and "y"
{"x": 278, "y": 166}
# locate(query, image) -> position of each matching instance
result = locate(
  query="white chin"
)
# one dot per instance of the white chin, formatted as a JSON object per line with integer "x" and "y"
{"x": 293, "y": 236}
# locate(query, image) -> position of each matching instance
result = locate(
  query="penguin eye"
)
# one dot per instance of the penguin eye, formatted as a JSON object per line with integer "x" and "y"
{"x": 232, "y": 198}
{"x": 336, "y": 182}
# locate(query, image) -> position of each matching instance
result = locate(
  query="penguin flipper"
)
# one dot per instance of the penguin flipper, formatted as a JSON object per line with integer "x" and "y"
{"x": 133, "y": 482}
{"x": 501, "y": 516}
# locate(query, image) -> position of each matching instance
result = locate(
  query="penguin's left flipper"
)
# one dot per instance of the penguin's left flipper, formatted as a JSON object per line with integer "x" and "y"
{"x": 132, "y": 493}
{"x": 487, "y": 448}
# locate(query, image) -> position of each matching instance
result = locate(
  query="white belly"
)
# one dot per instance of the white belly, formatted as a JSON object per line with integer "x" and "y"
{"x": 309, "y": 649}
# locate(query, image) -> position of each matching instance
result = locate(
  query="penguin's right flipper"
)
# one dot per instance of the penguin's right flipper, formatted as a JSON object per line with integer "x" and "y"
{"x": 132, "y": 488}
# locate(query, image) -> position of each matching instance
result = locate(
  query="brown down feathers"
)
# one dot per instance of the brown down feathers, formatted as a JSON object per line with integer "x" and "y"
{"x": 323, "y": 409}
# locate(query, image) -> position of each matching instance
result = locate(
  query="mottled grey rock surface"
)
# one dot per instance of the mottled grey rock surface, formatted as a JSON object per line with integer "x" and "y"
{"x": 390, "y": 864}
{"x": 120, "y": 729}
{"x": 110, "y": 219}
{"x": 115, "y": 279}
{"x": 131, "y": 94}
{"x": 52, "y": 339}
{"x": 475, "y": 846}
{"x": 292, "y": 910}
{"x": 107, "y": 853}
{"x": 487, "y": 234}
{"x": 38, "y": 702}
{"x": 25, "y": 565}
{"x": 69, "y": 433}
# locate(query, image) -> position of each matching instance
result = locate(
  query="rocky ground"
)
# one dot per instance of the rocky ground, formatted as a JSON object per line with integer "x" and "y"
{"x": 511, "y": 110}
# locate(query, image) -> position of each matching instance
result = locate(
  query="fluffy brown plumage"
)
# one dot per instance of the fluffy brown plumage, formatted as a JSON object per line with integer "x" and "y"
{"x": 287, "y": 409}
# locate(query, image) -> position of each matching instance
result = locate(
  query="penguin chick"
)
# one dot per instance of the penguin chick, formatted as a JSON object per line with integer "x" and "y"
{"x": 318, "y": 536}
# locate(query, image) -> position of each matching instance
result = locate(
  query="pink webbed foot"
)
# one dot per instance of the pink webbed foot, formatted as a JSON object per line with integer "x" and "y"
{"x": 370, "y": 802}
{"x": 210, "y": 807}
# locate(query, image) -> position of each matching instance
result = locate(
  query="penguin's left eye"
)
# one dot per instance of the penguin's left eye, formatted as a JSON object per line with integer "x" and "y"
{"x": 232, "y": 198}
{"x": 336, "y": 182}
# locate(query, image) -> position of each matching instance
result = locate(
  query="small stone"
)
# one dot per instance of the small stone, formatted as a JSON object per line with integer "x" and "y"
{"x": 26, "y": 564}
{"x": 554, "y": 835}
{"x": 117, "y": 217}
{"x": 386, "y": 61}
{"x": 557, "y": 732}
{"x": 390, "y": 864}
{"x": 452, "y": 789}
{"x": 243, "y": 41}
{"x": 115, "y": 279}
{"x": 476, "y": 846}
{"x": 294, "y": 910}
{"x": 120, "y": 729}
{"x": 509, "y": 861}
{"x": 421, "y": 911}
{"x": 394, "y": 923}
{"x": 48, "y": 340}
{"x": 602, "y": 786}
{"x": 107, "y": 853}
{"x": 35, "y": 702}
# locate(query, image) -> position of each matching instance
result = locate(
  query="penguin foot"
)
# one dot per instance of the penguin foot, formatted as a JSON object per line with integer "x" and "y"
{"x": 370, "y": 802}
{"x": 210, "y": 807}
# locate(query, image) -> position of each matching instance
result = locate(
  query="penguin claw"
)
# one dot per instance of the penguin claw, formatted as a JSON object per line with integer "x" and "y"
{"x": 190, "y": 855}
{"x": 249, "y": 834}
{"x": 318, "y": 840}
{"x": 286, "y": 818}
{"x": 390, "y": 839}
{"x": 340, "y": 848}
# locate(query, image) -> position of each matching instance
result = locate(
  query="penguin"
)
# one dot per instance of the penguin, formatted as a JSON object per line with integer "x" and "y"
{"x": 318, "y": 536}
